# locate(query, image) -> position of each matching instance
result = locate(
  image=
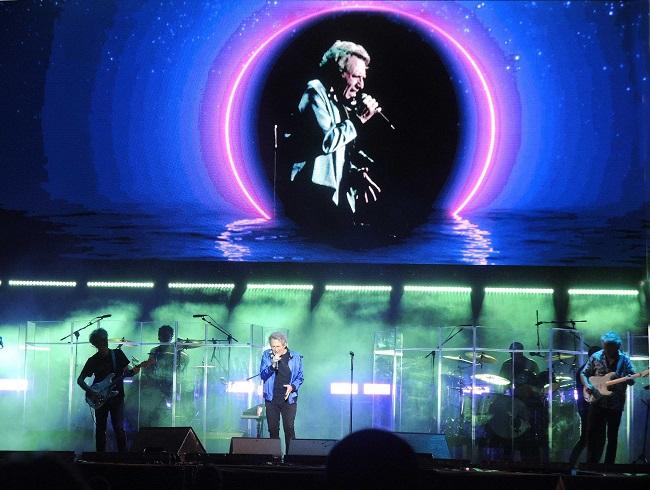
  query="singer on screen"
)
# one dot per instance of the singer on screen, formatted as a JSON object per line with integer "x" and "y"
{"x": 281, "y": 371}
{"x": 331, "y": 175}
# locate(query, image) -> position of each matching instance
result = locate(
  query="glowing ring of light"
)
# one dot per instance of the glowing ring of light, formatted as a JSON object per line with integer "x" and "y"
{"x": 488, "y": 95}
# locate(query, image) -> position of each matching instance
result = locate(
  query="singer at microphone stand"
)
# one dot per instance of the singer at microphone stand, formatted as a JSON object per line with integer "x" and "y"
{"x": 281, "y": 372}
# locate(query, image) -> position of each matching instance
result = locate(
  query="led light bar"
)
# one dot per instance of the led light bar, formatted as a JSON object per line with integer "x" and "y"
{"x": 603, "y": 292}
{"x": 388, "y": 352}
{"x": 344, "y": 287}
{"x": 519, "y": 290}
{"x": 120, "y": 284}
{"x": 53, "y": 284}
{"x": 382, "y": 389}
{"x": 240, "y": 387}
{"x": 436, "y": 289}
{"x": 200, "y": 285}
{"x": 295, "y": 287}
{"x": 13, "y": 384}
{"x": 343, "y": 389}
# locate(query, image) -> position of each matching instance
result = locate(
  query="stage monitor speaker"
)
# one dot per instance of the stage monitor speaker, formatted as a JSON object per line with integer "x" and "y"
{"x": 309, "y": 451}
{"x": 251, "y": 445}
{"x": 425, "y": 443}
{"x": 178, "y": 441}
{"x": 311, "y": 447}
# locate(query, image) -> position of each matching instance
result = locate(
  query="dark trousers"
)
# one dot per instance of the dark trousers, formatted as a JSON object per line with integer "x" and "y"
{"x": 114, "y": 406}
{"x": 287, "y": 410}
{"x": 602, "y": 421}
{"x": 582, "y": 442}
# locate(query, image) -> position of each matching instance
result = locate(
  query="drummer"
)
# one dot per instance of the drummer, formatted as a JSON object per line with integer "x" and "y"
{"x": 520, "y": 370}
{"x": 523, "y": 375}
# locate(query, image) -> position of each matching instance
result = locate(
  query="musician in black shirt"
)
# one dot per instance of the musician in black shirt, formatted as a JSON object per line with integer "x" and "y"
{"x": 104, "y": 363}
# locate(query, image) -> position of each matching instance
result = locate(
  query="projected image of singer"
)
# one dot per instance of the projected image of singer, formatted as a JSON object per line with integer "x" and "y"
{"x": 331, "y": 175}
{"x": 281, "y": 371}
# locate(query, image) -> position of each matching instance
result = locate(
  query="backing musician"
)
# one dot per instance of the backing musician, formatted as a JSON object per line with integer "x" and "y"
{"x": 605, "y": 412}
{"x": 102, "y": 364}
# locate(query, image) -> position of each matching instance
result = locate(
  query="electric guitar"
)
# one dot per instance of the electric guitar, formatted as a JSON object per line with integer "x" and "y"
{"x": 601, "y": 384}
{"x": 103, "y": 390}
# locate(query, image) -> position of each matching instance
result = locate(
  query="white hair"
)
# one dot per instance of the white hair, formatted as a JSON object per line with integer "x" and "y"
{"x": 336, "y": 58}
{"x": 278, "y": 336}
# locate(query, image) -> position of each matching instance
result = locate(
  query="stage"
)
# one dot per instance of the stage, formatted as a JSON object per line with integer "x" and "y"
{"x": 112, "y": 470}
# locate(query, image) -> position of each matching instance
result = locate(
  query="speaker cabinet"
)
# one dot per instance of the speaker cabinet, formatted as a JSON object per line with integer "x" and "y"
{"x": 177, "y": 441}
{"x": 261, "y": 447}
{"x": 309, "y": 451}
{"x": 424, "y": 443}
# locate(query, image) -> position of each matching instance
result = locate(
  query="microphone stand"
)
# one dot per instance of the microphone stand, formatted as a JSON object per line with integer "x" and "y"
{"x": 451, "y": 335}
{"x": 351, "y": 385}
{"x": 211, "y": 321}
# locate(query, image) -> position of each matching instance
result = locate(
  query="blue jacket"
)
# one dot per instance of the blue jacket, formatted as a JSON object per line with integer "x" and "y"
{"x": 268, "y": 374}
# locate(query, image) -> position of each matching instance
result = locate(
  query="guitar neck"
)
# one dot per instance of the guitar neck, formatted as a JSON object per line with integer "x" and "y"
{"x": 626, "y": 378}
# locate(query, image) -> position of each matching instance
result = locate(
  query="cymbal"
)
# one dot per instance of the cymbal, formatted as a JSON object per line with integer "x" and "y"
{"x": 480, "y": 357}
{"x": 561, "y": 377}
{"x": 458, "y": 358}
{"x": 561, "y": 357}
{"x": 122, "y": 341}
{"x": 491, "y": 379}
{"x": 189, "y": 343}
{"x": 203, "y": 367}
{"x": 554, "y": 386}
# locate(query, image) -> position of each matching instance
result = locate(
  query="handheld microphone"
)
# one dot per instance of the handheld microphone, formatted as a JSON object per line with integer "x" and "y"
{"x": 274, "y": 363}
{"x": 351, "y": 354}
{"x": 101, "y": 317}
{"x": 199, "y": 316}
{"x": 363, "y": 95}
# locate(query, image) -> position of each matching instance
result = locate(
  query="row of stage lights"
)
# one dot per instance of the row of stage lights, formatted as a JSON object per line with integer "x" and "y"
{"x": 310, "y": 287}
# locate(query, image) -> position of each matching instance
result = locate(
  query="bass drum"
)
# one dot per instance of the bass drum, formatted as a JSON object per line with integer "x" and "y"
{"x": 509, "y": 417}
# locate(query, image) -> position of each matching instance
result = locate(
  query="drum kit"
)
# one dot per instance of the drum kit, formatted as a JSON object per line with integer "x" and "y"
{"x": 496, "y": 404}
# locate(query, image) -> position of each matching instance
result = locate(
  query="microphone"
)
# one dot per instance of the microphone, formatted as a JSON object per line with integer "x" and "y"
{"x": 101, "y": 317}
{"x": 198, "y": 316}
{"x": 380, "y": 112}
{"x": 274, "y": 363}
{"x": 351, "y": 354}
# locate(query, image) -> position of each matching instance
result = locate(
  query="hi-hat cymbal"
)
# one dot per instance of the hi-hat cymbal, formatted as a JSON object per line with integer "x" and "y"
{"x": 480, "y": 357}
{"x": 457, "y": 358}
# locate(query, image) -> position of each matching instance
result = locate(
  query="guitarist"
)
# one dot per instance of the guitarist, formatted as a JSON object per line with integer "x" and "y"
{"x": 605, "y": 412}
{"x": 102, "y": 364}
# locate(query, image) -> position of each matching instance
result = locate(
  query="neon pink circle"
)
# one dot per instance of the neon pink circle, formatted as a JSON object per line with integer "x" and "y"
{"x": 487, "y": 161}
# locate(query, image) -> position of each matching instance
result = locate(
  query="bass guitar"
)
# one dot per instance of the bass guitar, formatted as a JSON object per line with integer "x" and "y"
{"x": 601, "y": 384}
{"x": 102, "y": 391}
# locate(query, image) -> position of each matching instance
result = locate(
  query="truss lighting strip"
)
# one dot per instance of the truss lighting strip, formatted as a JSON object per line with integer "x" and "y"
{"x": 53, "y": 284}
{"x": 200, "y": 285}
{"x": 294, "y": 287}
{"x": 350, "y": 288}
{"x": 436, "y": 289}
{"x": 603, "y": 292}
{"x": 519, "y": 290}
{"x": 119, "y": 284}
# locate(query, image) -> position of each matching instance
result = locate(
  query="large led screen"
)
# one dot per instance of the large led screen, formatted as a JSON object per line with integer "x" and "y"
{"x": 504, "y": 132}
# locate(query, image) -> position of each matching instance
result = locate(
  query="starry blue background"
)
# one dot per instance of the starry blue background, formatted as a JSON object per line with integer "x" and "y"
{"x": 105, "y": 103}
